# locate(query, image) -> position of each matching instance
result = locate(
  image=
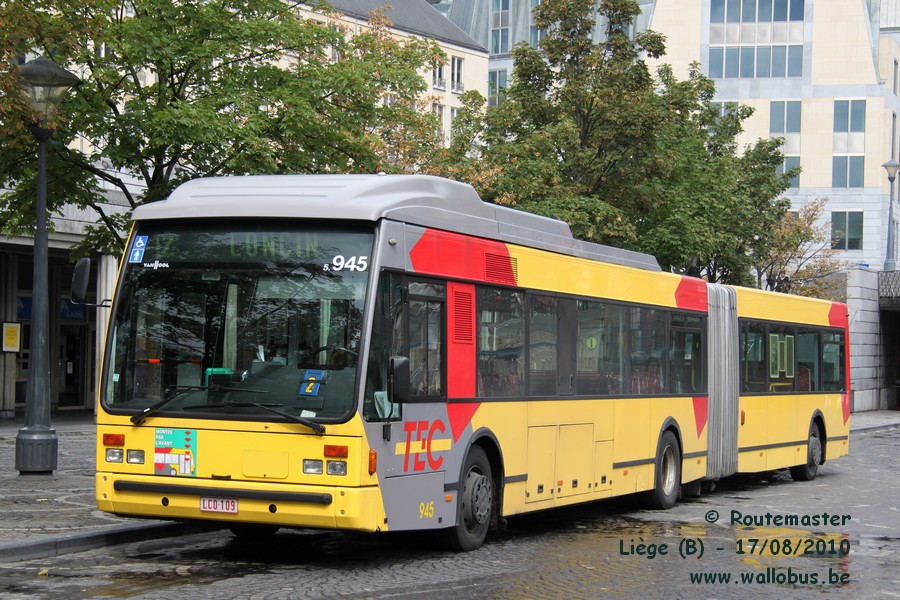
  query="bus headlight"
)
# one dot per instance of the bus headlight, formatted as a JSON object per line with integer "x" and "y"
{"x": 336, "y": 467}
{"x": 115, "y": 455}
{"x": 135, "y": 457}
{"x": 312, "y": 467}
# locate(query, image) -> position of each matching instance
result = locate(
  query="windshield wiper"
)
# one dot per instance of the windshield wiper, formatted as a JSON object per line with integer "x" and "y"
{"x": 174, "y": 392}
{"x": 273, "y": 408}
{"x": 225, "y": 388}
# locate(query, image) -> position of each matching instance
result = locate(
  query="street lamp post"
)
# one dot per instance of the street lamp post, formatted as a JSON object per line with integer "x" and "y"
{"x": 45, "y": 84}
{"x": 891, "y": 166}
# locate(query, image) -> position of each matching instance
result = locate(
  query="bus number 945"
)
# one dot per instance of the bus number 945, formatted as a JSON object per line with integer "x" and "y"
{"x": 351, "y": 263}
{"x": 426, "y": 510}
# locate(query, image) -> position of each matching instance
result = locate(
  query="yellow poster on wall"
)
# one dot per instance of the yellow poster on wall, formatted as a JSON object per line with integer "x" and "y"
{"x": 11, "y": 337}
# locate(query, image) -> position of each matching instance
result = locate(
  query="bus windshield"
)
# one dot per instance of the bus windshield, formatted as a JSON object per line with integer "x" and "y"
{"x": 258, "y": 322}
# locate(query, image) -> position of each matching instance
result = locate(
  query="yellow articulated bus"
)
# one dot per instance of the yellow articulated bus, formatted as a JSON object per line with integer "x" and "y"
{"x": 389, "y": 353}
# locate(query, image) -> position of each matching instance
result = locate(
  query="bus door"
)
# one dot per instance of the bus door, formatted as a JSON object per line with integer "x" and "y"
{"x": 409, "y": 326}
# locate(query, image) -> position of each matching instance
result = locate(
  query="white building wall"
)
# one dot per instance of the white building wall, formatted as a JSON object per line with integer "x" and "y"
{"x": 865, "y": 340}
{"x": 845, "y": 57}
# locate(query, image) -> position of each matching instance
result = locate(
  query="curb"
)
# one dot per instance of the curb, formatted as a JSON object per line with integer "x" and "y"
{"x": 52, "y": 546}
{"x": 863, "y": 428}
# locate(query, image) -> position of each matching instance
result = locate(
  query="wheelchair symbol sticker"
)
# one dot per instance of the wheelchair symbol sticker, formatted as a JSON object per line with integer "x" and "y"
{"x": 137, "y": 249}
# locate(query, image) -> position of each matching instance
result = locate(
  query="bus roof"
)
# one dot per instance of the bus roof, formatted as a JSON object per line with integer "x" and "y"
{"x": 416, "y": 199}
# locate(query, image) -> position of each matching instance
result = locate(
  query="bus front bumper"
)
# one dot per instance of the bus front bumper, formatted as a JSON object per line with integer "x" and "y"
{"x": 284, "y": 505}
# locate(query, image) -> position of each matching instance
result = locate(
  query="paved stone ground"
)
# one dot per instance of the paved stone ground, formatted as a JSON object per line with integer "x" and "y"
{"x": 50, "y": 515}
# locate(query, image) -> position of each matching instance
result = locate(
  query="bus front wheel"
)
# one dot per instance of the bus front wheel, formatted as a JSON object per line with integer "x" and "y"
{"x": 667, "y": 476}
{"x": 474, "y": 506}
{"x": 808, "y": 471}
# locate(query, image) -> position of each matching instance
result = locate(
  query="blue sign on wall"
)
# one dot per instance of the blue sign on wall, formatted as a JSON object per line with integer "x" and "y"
{"x": 68, "y": 311}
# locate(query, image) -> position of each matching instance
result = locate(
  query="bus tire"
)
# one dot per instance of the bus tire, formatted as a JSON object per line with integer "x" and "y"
{"x": 474, "y": 506}
{"x": 809, "y": 470}
{"x": 667, "y": 474}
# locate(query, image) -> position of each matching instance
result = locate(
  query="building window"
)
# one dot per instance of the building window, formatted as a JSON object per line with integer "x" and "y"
{"x": 454, "y": 112}
{"x": 499, "y": 26}
{"x": 847, "y": 171}
{"x": 896, "y": 81}
{"x": 849, "y": 144}
{"x": 756, "y": 38}
{"x": 784, "y": 122}
{"x": 846, "y": 230}
{"x": 437, "y": 76}
{"x": 334, "y": 51}
{"x": 791, "y": 162}
{"x": 496, "y": 87}
{"x": 438, "y": 110}
{"x": 726, "y": 107}
{"x": 784, "y": 117}
{"x": 536, "y": 34}
{"x": 893, "y": 134}
{"x": 456, "y": 75}
{"x": 849, "y": 116}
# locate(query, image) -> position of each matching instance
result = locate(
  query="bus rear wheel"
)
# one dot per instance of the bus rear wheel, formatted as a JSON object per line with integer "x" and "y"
{"x": 667, "y": 476}
{"x": 808, "y": 471}
{"x": 474, "y": 506}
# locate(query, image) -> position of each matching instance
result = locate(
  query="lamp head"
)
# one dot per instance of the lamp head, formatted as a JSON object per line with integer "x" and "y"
{"x": 45, "y": 84}
{"x": 891, "y": 166}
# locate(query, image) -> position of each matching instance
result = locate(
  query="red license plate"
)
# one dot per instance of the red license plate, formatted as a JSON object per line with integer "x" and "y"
{"x": 219, "y": 505}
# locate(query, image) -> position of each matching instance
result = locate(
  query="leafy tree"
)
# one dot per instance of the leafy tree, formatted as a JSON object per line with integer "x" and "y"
{"x": 801, "y": 249}
{"x": 178, "y": 90}
{"x": 588, "y": 135}
{"x": 718, "y": 205}
{"x": 578, "y": 124}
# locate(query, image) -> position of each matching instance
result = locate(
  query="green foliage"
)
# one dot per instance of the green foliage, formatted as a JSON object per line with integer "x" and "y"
{"x": 801, "y": 249}
{"x": 588, "y": 135}
{"x": 578, "y": 129}
{"x": 178, "y": 90}
{"x": 716, "y": 207}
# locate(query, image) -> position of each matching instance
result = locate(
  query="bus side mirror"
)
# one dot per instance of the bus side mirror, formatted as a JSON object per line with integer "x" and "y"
{"x": 398, "y": 379}
{"x": 80, "y": 281}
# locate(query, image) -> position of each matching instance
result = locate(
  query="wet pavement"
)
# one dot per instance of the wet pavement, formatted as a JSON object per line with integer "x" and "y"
{"x": 49, "y": 515}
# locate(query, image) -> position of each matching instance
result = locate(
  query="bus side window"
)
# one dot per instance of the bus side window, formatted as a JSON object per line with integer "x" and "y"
{"x": 425, "y": 345}
{"x": 833, "y": 371}
{"x": 753, "y": 357}
{"x": 782, "y": 359}
{"x": 686, "y": 354}
{"x": 501, "y": 343}
{"x": 386, "y": 341}
{"x": 808, "y": 353}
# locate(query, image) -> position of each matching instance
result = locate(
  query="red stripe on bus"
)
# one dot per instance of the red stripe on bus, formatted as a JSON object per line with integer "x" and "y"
{"x": 691, "y": 294}
{"x": 461, "y": 366}
{"x": 454, "y": 255}
{"x": 837, "y": 315}
{"x": 460, "y": 415}
{"x": 701, "y": 412}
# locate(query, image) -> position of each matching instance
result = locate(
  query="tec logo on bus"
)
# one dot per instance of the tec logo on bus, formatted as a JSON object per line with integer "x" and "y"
{"x": 420, "y": 439}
